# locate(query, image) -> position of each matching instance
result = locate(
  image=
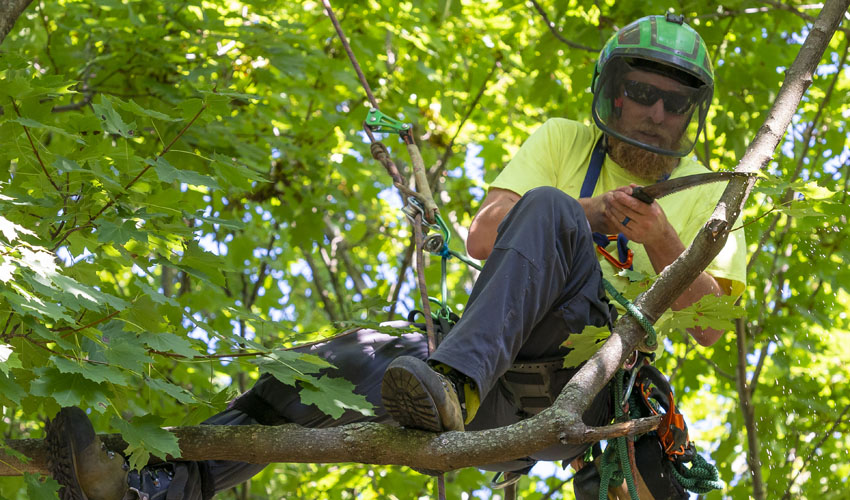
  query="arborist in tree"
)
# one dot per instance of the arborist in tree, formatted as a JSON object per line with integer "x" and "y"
{"x": 544, "y": 230}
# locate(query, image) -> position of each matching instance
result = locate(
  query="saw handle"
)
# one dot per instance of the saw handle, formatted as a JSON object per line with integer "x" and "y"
{"x": 637, "y": 192}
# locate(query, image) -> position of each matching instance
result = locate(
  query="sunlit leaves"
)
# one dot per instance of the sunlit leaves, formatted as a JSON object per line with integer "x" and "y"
{"x": 128, "y": 276}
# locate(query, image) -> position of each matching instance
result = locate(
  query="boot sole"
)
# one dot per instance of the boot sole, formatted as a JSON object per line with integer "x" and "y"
{"x": 406, "y": 397}
{"x": 60, "y": 446}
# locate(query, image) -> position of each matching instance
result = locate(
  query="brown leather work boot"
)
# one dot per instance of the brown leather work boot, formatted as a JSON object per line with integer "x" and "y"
{"x": 420, "y": 398}
{"x": 79, "y": 461}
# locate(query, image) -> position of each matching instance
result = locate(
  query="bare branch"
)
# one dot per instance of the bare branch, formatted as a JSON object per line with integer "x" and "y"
{"x": 35, "y": 149}
{"x": 745, "y": 396}
{"x": 556, "y": 33}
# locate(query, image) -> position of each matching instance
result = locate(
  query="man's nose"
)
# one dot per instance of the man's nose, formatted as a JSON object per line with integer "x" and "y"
{"x": 656, "y": 111}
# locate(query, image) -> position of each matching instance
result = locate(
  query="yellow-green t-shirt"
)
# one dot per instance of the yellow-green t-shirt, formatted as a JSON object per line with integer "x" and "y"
{"x": 558, "y": 153}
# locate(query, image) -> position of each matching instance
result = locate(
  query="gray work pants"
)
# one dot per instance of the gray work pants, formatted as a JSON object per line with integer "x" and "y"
{"x": 541, "y": 283}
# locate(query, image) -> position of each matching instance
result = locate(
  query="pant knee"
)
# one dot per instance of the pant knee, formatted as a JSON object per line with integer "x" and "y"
{"x": 552, "y": 202}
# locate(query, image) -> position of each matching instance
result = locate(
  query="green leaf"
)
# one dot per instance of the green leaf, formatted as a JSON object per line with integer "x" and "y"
{"x": 30, "y": 123}
{"x": 225, "y": 223}
{"x": 126, "y": 350}
{"x": 168, "y": 342}
{"x": 10, "y": 390}
{"x": 93, "y": 371}
{"x": 191, "y": 107}
{"x": 175, "y": 391}
{"x": 8, "y": 359}
{"x": 40, "y": 488}
{"x": 155, "y": 295}
{"x": 27, "y": 304}
{"x": 584, "y": 345}
{"x": 134, "y": 108}
{"x": 145, "y": 436}
{"x": 68, "y": 389}
{"x": 90, "y": 296}
{"x": 111, "y": 120}
{"x": 335, "y": 395}
{"x": 109, "y": 232}
{"x": 290, "y": 366}
{"x": 168, "y": 173}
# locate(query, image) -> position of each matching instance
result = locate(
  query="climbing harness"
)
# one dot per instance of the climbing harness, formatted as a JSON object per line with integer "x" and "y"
{"x": 594, "y": 168}
{"x": 666, "y": 459}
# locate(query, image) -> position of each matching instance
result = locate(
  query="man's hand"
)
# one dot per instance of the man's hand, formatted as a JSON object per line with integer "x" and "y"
{"x": 645, "y": 224}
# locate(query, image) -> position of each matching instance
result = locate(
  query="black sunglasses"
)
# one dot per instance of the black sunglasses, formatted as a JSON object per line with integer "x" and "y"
{"x": 647, "y": 94}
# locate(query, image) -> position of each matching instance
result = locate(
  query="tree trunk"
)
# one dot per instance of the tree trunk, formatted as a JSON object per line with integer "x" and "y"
{"x": 10, "y": 10}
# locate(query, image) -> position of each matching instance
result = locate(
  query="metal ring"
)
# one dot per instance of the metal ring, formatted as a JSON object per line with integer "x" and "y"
{"x": 625, "y": 221}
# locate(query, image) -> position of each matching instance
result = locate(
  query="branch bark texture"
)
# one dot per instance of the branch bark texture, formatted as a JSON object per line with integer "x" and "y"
{"x": 10, "y": 10}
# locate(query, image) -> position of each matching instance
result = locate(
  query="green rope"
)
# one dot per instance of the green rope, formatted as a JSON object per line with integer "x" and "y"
{"x": 701, "y": 478}
{"x": 611, "y": 470}
{"x": 651, "y": 336}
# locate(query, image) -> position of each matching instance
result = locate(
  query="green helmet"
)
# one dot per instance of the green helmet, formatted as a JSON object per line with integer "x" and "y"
{"x": 654, "y": 58}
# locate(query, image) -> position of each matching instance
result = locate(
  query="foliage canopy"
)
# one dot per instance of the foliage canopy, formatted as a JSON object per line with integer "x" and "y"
{"x": 185, "y": 192}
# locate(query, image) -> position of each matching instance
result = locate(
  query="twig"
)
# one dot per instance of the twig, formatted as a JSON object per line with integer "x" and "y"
{"x": 448, "y": 151}
{"x": 93, "y": 323}
{"x": 753, "y": 383}
{"x": 797, "y": 12}
{"x": 551, "y": 26}
{"x": 34, "y": 149}
{"x": 350, "y": 53}
{"x": 44, "y": 22}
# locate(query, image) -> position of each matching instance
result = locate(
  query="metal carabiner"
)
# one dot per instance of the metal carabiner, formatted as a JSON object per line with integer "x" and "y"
{"x": 510, "y": 478}
{"x": 636, "y": 365}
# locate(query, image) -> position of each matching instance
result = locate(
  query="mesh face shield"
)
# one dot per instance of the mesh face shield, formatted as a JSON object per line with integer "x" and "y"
{"x": 650, "y": 105}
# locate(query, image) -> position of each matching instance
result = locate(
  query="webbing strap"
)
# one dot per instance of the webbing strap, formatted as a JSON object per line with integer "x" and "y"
{"x": 597, "y": 158}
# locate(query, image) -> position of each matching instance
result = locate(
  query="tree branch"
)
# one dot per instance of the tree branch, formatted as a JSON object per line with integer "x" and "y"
{"x": 556, "y": 33}
{"x": 10, "y": 10}
{"x": 745, "y": 395}
{"x": 367, "y": 443}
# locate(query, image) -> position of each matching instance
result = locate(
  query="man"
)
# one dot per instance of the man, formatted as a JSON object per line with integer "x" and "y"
{"x": 541, "y": 284}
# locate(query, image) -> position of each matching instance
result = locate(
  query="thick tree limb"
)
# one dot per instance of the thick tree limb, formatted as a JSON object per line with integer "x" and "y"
{"x": 365, "y": 443}
{"x": 382, "y": 444}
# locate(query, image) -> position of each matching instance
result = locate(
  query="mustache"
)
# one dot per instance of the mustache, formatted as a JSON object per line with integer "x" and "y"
{"x": 654, "y": 130}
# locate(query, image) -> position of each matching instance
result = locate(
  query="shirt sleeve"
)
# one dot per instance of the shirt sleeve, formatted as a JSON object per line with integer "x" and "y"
{"x": 538, "y": 160}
